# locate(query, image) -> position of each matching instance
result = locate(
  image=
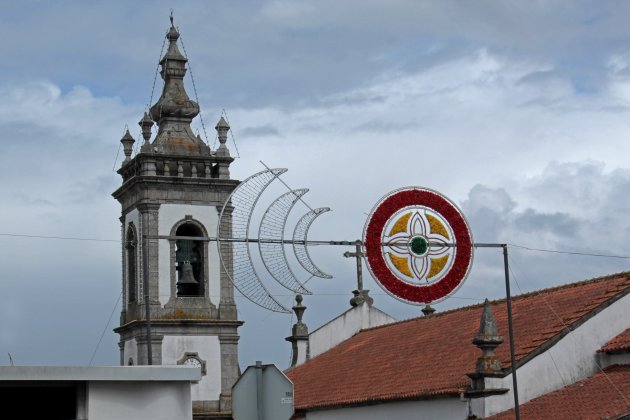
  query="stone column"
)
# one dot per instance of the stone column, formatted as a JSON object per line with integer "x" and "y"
{"x": 229, "y": 368}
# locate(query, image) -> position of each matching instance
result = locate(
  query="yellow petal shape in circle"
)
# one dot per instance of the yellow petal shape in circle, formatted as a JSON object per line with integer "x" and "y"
{"x": 437, "y": 226}
{"x": 401, "y": 264}
{"x": 400, "y": 225}
{"x": 437, "y": 265}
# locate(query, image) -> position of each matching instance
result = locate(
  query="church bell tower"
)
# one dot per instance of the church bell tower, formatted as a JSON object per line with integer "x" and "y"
{"x": 171, "y": 194}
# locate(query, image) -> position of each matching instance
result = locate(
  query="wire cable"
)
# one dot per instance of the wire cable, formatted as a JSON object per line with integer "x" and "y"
{"x": 555, "y": 251}
{"x": 58, "y": 237}
{"x": 105, "y": 329}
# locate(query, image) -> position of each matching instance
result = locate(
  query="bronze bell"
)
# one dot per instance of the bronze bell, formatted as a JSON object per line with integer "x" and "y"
{"x": 187, "y": 276}
{"x": 187, "y": 285}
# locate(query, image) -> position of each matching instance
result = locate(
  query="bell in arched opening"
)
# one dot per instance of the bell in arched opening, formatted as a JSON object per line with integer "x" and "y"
{"x": 187, "y": 285}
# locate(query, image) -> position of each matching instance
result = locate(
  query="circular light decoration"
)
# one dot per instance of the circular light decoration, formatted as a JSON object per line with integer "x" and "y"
{"x": 418, "y": 245}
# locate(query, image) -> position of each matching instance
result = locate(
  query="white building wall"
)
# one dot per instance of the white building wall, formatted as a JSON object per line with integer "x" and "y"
{"x": 209, "y": 349}
{"x": 130, "y": 350}
{"x": 209, "y": 217}
{"x": 139, "y": 400}
{"x": 345, "y": 326}
{"x": 574, "y": 355}
{"x": 436, "y": 409}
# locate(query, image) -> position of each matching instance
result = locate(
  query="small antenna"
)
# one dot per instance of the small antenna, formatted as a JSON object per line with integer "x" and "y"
{"x": 10, "y": 359}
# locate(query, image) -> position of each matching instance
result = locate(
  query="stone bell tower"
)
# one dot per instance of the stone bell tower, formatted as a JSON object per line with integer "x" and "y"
{"x": 171, "y": 195}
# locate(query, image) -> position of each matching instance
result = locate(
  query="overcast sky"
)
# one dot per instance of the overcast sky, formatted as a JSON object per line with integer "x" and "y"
{"x": 518, "y": 111}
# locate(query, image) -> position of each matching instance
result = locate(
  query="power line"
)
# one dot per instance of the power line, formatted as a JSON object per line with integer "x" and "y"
{"x": 68, "y": 238}
{"x": 553, "y": 251}
{"x": 105, "y": 329}
{"x": 556, "y": 251}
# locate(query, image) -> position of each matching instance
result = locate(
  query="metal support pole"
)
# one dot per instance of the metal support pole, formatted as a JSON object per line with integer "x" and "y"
{"x": 359, "y": 266}
{"x": 358, "y": 255}
{"x": 147, "y": 308}
{"x": 508, "y": 301}
{"x": 259, "y": 390}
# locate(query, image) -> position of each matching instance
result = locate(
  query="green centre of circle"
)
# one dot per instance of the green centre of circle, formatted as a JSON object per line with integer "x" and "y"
{"x": 419, "y": 245}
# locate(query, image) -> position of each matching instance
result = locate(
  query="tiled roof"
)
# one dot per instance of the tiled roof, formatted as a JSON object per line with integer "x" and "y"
{"x": 605, "y": 395}
{"x": 430, "y": 356}
{"x": 618, "y": 344}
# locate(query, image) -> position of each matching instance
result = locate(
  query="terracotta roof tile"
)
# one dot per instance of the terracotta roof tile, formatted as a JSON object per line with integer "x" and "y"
{"x": 429, "y": 356}
{"x": 618, "y": 344}
{"x": 592, "y": 398}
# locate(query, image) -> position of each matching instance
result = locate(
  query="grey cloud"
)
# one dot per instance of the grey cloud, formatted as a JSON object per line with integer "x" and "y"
{"x": 560, "y": 224}
{"x": 253, "y": 54}
{"x": 260, "y": 130}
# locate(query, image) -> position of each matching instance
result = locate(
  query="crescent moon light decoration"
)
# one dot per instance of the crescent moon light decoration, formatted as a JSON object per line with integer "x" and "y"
{"x": 234, "y": 221}
{"x": 299, "y": 242}
{"x": 233, "y": 240}
{"x": 272, "y": 252}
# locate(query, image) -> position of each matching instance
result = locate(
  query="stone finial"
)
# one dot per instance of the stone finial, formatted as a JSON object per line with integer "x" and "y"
{"x": 488, "y": 364}
{"x": 127, "y": 142}
{"x": 222, "y": 128}
{"x": 299, "y": 335}
{"x": 299, "y": 329}
{"x": 428, "y": 310}
{"x": 487, "y": 339}
{"x": 360, "y": 297}
{"x": 146, "y": 124}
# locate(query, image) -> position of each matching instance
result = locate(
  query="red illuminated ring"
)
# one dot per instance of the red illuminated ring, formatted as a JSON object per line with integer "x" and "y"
{"x": 373, "y": 235}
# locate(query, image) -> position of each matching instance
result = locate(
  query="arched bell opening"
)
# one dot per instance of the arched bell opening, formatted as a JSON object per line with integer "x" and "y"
{"x": 189, "y": 261}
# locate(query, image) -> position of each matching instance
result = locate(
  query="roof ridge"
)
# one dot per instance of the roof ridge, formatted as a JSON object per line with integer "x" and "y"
{"x": 516, "y": 297}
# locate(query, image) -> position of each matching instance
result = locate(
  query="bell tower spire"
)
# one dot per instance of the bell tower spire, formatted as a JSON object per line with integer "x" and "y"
{"x": 174, "y": 111}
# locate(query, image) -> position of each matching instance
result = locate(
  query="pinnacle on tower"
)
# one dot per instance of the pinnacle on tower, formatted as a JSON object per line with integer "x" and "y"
{"x": 222, "y": 128}
{"x": 174, "y": 111}
{"x": 146, "y": 124}
{"x": 127, "y": 142}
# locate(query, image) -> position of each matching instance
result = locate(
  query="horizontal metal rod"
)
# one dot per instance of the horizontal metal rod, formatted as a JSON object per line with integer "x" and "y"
{"x": 307, "y": 242}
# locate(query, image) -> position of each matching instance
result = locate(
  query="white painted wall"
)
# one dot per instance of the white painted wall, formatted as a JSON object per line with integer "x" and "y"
{"x": 209, "y": 217}
{"x": 139, "y": 400}
{"x": 574, "y": 355}
{"x": 439, "y": 408}
{"x": 345, "y": 326}
{"x": 209, "y": 349}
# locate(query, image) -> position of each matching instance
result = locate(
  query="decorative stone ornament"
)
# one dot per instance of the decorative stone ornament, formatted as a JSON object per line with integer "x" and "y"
{"x": 418, "y": 245}
{"x": 127, "y": 142}
{"x": 488, "y": 365}
{"x": 146, "y": 124}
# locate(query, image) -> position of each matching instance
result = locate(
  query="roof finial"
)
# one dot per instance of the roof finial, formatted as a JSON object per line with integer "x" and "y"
{"x": 488, "y": 365}
{"x": 299, "y": 335}
{"x": 428, "y": 310}
{"x": 171, "y": 18}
